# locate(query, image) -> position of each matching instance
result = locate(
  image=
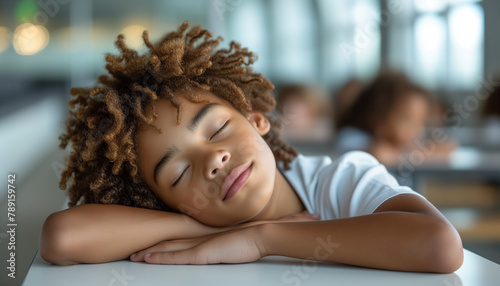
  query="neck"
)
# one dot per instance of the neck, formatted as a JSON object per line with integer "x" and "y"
{"x": 283, "y": 202}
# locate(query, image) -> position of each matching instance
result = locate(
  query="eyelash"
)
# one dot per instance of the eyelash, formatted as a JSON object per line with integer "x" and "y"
{"x": 217, "y": 132}
{"x": 180, "y": 177}
{"x": 220, "y": 129}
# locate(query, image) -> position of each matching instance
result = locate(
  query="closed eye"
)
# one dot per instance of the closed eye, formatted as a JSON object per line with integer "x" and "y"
{"x": 180, "y": 177}
{"x": 220, "y": 129}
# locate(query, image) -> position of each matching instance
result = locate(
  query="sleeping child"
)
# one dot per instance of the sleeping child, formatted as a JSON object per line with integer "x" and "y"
{"x": 177, "y": 159}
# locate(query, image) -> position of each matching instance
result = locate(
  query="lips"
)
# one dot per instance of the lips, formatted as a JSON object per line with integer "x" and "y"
{"x": 235, "y": 180}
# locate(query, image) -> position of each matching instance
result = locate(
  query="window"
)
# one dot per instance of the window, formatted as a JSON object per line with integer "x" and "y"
{"x": 448, "y": 43}
{"x": 350, "y": 39}
{"x": 294, "y": 40}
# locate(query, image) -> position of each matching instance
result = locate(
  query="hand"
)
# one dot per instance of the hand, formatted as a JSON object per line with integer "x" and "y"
{"x": 236, "y": 246}
{"x": 198, "y": 250}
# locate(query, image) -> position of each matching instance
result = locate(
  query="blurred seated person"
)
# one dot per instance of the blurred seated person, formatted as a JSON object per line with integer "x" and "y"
{"x": 440, "y": 113}
{"x": 344, "y": 98}
{"x": 387, "y": 119}
{"x": 491, "y": 117}
{"x": 304, "y": 111}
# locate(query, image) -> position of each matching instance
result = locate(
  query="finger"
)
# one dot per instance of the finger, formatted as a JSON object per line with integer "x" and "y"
{"x": 174, "y": 257}
{"x": 165, "y": 246}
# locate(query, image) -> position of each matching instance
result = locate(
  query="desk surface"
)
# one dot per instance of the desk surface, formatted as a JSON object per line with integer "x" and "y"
{"x": 275, "y": 270}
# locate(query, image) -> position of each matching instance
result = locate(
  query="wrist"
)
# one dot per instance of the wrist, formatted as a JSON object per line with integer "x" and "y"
{"x": 264, "y": 237}
{"x": 180, "y": 226}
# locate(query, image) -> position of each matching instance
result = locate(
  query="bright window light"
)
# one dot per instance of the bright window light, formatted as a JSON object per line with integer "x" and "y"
{"x": 430, "y": 37}
{"x": 466, "y": 48}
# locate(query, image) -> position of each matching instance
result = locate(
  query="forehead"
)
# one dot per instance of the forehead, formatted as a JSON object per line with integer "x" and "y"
{"x": 412, "y": 98}
{"x": 165, "y": 131}
{"x": 167, "y": 113}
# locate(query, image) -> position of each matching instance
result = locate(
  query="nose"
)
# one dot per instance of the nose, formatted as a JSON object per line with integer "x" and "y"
{"x": 215, "y": 162}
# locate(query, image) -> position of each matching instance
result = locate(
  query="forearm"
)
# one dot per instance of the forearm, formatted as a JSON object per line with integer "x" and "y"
{"x": 391, "y": 240}
{"x": 94, "y": 233}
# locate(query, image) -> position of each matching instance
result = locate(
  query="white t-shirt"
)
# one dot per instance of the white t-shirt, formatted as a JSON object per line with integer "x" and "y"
{"x": 354, "y": 184}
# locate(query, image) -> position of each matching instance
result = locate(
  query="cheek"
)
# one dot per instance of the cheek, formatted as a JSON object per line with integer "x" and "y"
{"x": 406, "y": 135}
{"x": 249, "y": 142}
{"x": 191, "y": 201}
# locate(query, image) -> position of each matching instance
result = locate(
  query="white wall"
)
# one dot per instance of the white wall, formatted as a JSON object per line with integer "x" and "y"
{"x": 27, "y": 136}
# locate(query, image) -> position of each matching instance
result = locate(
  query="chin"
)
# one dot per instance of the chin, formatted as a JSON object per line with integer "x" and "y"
{"x": 258, "y": 203}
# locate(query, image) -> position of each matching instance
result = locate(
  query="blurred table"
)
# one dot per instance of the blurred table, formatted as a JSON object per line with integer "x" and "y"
{"x": 411, "y": 170}
{"x": 465, "y": 163}
{"x": 274, "y": 270}
{"x": 482, "y": 137}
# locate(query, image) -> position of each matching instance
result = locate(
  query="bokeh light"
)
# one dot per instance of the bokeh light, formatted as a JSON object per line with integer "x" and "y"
{"x": 30, "y": 39}
{"x": 133, "y": 36}
{"x": 4, "y": 38}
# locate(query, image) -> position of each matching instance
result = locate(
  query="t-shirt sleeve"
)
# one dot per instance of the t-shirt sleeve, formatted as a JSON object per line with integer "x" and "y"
{"x": 353, "y": 185}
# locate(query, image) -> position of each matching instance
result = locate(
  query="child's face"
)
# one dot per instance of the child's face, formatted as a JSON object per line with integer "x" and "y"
{"x": 195, "y": 178}
{"x": 407, "y": 120}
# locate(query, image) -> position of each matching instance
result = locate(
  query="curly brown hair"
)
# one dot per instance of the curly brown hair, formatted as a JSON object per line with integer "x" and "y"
{"x": 103, "y": 120}
{"x": 373, "y": 104}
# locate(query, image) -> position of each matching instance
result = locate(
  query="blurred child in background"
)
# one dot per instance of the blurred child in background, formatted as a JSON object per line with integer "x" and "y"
{"x": 387, "y": 118}
{"x": 344, "y": 98}
{"x": 304, "y": 111}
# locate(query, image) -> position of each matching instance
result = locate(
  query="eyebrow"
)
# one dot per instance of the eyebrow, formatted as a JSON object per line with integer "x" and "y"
{"x": 199, "y": 116}
{"x": 164, "y": 160}
{"x": 171, "y": 152}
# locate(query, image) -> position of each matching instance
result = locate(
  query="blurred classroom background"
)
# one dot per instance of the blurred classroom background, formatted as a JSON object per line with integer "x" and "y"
{"x": 323, "y": 56}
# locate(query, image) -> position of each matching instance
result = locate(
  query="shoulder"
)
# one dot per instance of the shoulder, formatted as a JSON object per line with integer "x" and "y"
{"x": 318, "y": 168}
{"x": 345, "y": 160}
{"x": 306, "y": 168}
{"x": 302, "y": 160}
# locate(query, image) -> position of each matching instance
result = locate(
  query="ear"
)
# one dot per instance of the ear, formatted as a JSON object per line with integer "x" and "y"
{"x": 259, "y": 122}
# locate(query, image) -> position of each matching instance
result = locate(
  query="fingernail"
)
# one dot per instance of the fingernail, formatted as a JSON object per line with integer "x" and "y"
{"x": 316, "y": 215}
{"x": 133, "y": 256}
{"x": 147, "y": 255}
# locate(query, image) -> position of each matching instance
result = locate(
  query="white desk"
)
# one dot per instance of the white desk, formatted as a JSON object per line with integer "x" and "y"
{"x": 274, "y": 270}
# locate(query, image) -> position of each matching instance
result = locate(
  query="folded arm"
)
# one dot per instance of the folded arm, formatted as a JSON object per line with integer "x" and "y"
{"x": 96, "y": 233}
{"x": 405, "y": 233}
